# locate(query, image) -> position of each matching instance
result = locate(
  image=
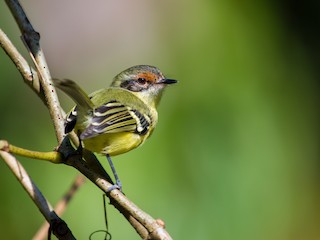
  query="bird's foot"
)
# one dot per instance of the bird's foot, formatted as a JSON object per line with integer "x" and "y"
{"x": 115, "y": 186}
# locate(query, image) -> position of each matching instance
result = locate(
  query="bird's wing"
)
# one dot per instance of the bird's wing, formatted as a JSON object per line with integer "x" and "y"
{"x": 114, "y": 117}
{"x": 71, "y": 120}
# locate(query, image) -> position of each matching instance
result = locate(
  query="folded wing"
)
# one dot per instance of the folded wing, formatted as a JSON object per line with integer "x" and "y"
{"x": 114, "y": 117}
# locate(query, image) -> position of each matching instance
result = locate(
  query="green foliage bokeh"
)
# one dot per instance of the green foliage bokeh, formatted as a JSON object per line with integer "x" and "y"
{"x": 235, "y": 154}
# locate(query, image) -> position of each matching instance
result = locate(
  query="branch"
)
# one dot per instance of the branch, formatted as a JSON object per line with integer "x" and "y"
{"x": 32, "y": 38}
{"x": 60, "y": 228}
{"x": 60, "y": 206}
{"x": 145, "y": 225}
{"x": 29, "y": 75}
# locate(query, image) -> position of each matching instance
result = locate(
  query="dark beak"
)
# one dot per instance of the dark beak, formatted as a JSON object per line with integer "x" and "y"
{"x": 167, "y": 81}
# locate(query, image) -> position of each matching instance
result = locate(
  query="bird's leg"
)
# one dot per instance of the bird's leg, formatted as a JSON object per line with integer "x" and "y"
{"x": 77, "y": 152}
{"x": 118, "y": 184}
{"x": 80, "y": 148}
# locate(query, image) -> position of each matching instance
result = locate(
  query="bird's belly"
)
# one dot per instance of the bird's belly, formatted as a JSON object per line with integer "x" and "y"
{"x": 113, "y": 143}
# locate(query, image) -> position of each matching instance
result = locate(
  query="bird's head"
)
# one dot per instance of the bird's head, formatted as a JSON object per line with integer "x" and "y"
{"x": 145, "y": 81}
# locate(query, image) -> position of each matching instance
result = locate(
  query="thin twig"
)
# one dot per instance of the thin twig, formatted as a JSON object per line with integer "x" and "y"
{"x": 29, "y": 75}
{"x": 43, "y": 205}
{"x": 32, "y": 39}
{"x": 144, "y": 224}
{"x": 60, "y": 206}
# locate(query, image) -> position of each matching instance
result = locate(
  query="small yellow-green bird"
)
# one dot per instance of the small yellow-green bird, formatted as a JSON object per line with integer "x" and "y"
{"x": 117, "y": 119}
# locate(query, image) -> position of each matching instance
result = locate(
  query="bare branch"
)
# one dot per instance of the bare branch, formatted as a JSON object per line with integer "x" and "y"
{"x": 43, "y": 205}
{"x": 145, "y": 225}
{"x": 32, "y": 39}
{"x": 60, "y": 206}
{"x": 29, "y": 75}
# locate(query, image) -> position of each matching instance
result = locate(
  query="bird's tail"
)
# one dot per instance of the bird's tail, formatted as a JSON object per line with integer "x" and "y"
{"x": 74, "y": 91}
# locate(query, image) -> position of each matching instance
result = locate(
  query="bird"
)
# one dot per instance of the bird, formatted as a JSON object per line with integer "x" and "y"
{"x": 119, "y": 118}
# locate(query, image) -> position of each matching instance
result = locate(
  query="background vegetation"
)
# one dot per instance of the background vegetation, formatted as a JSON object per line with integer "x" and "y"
{"x": 235, "y": 154}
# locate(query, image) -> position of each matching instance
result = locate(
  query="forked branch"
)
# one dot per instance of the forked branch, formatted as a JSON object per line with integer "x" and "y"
{"x": 40, "y": 81}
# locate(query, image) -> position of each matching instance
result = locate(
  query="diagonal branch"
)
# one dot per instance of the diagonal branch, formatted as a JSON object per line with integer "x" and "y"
{"x": 61, "y": 229}
{"x": 29, "y": 75}
{"x": 60, "y": 207}
{"x": 32, "y": 38}
{"x": 145, "y": 225}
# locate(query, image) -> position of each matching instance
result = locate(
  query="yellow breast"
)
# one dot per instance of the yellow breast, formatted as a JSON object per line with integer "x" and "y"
{"x": 113, "y": 143}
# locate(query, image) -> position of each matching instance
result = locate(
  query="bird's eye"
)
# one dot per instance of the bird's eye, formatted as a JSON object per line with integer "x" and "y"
{"x": 142, "y": 81}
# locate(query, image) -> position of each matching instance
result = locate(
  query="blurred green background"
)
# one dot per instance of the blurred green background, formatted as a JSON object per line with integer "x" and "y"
{"x": 235, "y": 154}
